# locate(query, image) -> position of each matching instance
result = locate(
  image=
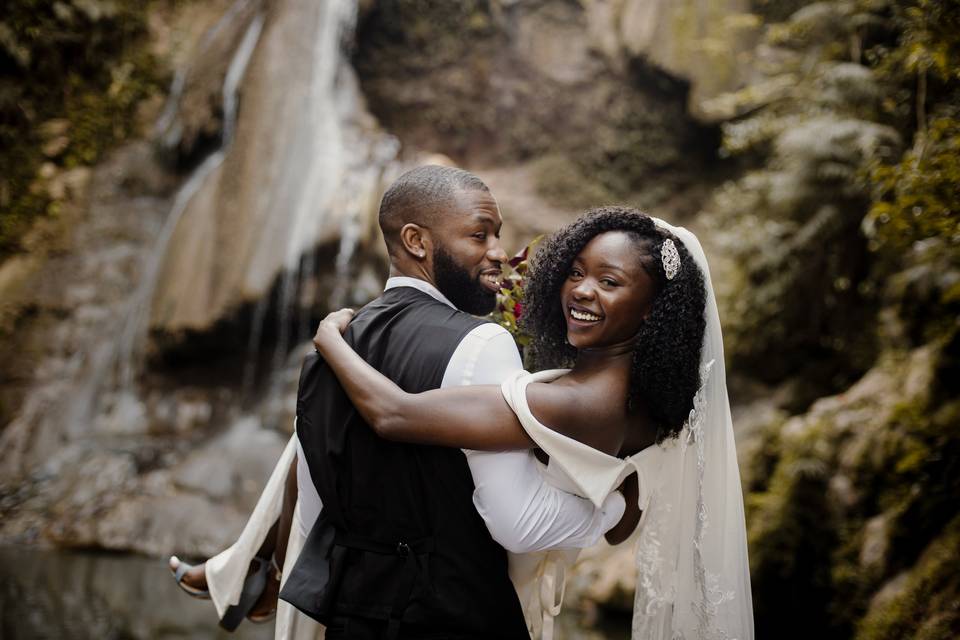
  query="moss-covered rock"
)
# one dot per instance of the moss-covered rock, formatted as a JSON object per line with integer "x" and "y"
{"x": 925, "y": 605}
{"x": 72, "y": 74}
{"x": 860, "y": 486}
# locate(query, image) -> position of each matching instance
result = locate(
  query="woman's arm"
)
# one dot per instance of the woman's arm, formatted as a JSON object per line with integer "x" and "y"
{"x": 474, "y": 417}
{"x": 631, "y": 516}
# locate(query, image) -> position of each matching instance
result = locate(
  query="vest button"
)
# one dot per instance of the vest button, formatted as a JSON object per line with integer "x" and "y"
{"x": 402, "y": 549}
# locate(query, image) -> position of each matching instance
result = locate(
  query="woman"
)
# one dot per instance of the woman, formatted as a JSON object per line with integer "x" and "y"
{"x": 629, "y": 302}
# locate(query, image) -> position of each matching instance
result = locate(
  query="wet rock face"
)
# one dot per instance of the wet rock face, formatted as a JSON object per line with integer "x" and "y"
{"x": 88, "y": 462}
{"x": 191, "y": 125}
{"x": 300, "y": 168}
{"x": 497, "y": 82}
{"x": 102, "y": 453}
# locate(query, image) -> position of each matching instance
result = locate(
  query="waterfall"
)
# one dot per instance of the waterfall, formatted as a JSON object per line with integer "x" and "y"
{"x": 320, "y": 163}
{"x": 299, "y": 171}
{"x": 163, "y": 128}
{"x": 134, "y": 333}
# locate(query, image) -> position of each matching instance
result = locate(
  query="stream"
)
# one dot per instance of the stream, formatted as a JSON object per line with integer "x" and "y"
{"x": 74, "y": 595}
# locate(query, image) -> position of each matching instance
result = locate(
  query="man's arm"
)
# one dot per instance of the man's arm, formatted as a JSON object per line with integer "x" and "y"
{"x": 522, "y": 510}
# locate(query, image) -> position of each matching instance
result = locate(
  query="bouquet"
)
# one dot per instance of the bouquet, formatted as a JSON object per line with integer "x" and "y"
{"x": 510, "y": 297}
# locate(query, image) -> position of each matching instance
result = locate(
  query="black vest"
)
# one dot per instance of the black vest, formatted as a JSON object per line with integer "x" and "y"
{"x": 398, "y": 538}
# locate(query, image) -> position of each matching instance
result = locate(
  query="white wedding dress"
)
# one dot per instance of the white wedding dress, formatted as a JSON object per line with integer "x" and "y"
{"x": 693, "y": 576}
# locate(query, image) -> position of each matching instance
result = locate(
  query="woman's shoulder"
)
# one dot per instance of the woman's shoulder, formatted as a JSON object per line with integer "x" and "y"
{"x": 577, "y": 412}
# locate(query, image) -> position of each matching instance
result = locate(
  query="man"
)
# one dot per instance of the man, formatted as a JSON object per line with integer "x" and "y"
{"x": 399, "y": 550}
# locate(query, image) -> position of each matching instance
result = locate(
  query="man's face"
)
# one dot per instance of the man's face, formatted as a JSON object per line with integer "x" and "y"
{"x": 467, "y": 253}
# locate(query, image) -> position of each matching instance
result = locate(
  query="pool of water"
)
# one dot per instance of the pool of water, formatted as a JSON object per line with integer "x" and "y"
{"x": 59, "y": 595}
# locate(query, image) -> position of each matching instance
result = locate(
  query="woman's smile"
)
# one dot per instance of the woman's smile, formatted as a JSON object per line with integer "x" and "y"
{"x": 582, "y": 316}
{"x": 607, "y": 292}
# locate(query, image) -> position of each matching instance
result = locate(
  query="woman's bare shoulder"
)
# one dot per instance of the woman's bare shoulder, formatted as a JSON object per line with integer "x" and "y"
{"x": 577, "y": 411}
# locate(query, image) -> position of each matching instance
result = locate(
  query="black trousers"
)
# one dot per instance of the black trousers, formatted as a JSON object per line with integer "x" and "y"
{"x": 349, "y": 628}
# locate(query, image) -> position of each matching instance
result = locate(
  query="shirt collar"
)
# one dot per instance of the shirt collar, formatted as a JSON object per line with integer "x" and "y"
{"x": 421, "y": 285}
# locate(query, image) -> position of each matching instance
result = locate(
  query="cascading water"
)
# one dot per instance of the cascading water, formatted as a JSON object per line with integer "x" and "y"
{"x": 323, "y": 165}
{"x": 134, "y": 333}
{"x": 147, "y": 462}
{"x": 164, "y": 128}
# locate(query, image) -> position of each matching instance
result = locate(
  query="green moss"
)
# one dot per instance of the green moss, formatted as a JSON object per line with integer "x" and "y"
{"x": 928, "y": 606}
{"x": 82, "y": 64}
{"x": 807, "y": 548}
{"x": 917, "y": 198}
{"x": 792, "y": 535}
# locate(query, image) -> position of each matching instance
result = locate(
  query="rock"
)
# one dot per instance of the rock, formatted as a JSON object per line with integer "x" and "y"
{"x": 876, "y": 542}
{"x": 550, "y": 39}
{"x": 293, "y": 179}
{"x": 96, "y": 9}
{"x": 233, "y": 467}
{"x": 710, "y": 44}
{"x": 56, "y": 146}
{"x": 54, "y": 128}
{"x": 604, "y": 577}
{"x": 161, "y": 526}
{"x": 891, "y": 591}
{"x": 193, "y": 117}
{"x": 47, "y": 170}
{"x": 190, "y": 414}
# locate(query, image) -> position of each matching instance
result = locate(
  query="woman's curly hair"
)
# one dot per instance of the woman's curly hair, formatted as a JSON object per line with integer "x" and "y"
{"x": 665, "y": 374}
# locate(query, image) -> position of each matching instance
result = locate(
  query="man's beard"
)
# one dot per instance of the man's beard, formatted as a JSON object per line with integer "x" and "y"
{"x": 453, "y": 281}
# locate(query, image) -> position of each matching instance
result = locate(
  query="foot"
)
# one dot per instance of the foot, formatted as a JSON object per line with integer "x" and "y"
{"x": 195, "y": 578}
{"x": 266, "y": 605}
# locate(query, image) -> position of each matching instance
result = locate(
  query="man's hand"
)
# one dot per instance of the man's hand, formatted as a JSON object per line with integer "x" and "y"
{"x": 332, "y": 326}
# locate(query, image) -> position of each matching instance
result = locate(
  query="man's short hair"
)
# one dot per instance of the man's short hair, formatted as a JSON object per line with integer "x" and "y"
{"x": 420, "y": 195}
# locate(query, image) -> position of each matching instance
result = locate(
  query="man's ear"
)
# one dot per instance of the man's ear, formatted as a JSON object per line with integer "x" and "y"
{"x": 415, "y": 240}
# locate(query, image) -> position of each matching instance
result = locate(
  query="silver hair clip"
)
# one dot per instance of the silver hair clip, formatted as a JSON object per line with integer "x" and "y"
{"x": 671, "y": 258}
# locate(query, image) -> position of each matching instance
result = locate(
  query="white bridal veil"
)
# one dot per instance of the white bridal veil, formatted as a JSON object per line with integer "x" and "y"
{"x": 693, "y": 573}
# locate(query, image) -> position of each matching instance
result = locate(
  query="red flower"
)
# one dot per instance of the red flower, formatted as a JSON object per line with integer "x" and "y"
{"x": 520, "y": 257}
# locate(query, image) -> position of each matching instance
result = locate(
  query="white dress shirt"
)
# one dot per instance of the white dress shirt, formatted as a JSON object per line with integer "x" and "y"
{"x": 520, "y": 508}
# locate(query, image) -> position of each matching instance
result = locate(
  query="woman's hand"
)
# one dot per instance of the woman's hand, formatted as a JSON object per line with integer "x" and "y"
{"x": 332, "y": 326}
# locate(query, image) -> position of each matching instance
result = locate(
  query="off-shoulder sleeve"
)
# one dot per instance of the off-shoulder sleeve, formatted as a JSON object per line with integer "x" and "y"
{"x": 593, "y": 472}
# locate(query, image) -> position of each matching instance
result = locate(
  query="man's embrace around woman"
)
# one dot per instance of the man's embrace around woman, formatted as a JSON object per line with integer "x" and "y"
{"x": 398, "y": 549}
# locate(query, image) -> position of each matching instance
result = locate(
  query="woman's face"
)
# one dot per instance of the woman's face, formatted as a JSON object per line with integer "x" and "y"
{"x": 607, "y": 293}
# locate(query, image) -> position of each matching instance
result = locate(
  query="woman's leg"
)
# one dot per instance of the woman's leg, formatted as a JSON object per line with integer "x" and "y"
{"x": 275, "y": 546}
{"x": 226, "y": 572}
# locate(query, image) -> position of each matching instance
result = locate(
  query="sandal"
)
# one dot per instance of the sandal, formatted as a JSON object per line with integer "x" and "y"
{"x": 253, "y": 587}
{"x": 270, "y": 615}
{"x": 180, "y": 572}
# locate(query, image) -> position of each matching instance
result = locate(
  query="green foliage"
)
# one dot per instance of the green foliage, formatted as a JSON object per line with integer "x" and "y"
{"x": 813, "y": 127}
{"x": 71, "y": 76}
{"x": 918, "y": 197}
{"x": 928, "y": 39}
{"x": 848, "y": 235}
{"x": 850, "y": 83}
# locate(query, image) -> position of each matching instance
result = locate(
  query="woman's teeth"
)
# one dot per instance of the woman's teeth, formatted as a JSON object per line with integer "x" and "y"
{"x": 583, "y": 316}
